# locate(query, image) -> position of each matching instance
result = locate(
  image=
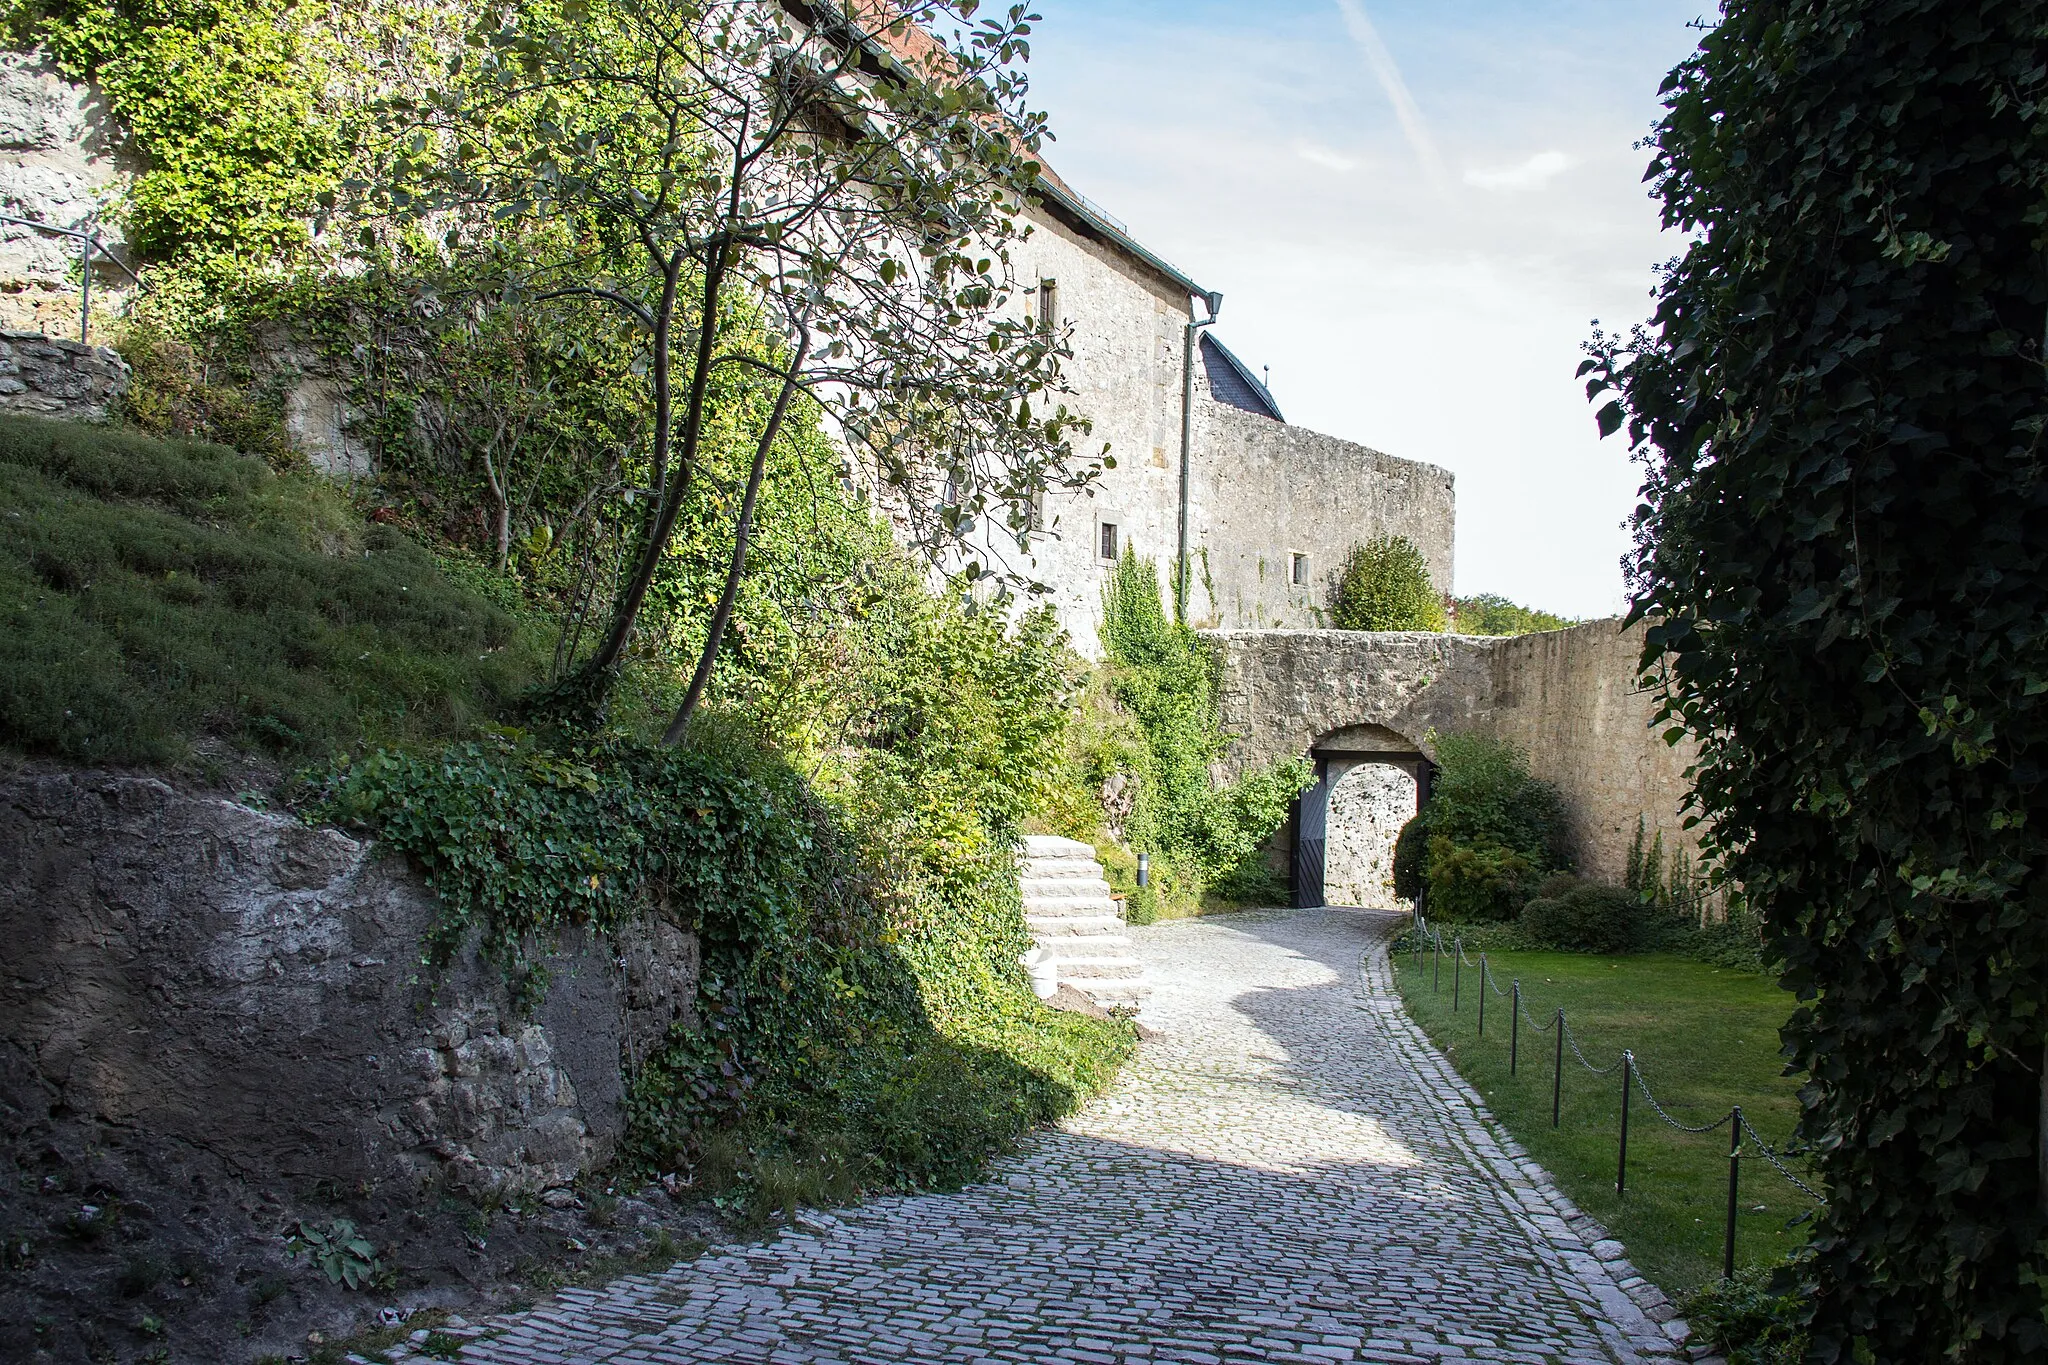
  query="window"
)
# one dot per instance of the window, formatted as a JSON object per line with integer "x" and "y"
{"x": 1300, "y": 571}
{"x": 1107, "y": 542}
{"x": 1037, "y": 522}
{"x": 1048, "y": 303}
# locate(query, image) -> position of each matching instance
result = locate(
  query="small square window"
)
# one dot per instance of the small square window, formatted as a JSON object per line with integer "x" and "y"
{"x": 1300, "y": 571}
{"x": 1106, "y": 543}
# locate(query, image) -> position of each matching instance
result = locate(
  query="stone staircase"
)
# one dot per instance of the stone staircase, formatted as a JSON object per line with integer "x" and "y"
{"x": 1070, "y": 915}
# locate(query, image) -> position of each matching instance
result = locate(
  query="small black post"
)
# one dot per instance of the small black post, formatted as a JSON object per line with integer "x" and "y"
{"x": 1515, "y": 1028}
{"x": 1482, "y": 995}
{"x": 1628, "y": 1062}
{"x": 1734, "y": 1188}
{"x": 1436, "y": 963}
{"x": 1557, "y": 1076}
{"x": 1457, "y": 970}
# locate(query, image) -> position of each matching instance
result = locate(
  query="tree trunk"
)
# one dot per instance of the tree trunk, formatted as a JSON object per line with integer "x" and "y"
{"x": 714, "y": 639}
{"x": 603, "y": 666}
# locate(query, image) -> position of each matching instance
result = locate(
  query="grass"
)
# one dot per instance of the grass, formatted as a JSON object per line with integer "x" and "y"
{"x": 1706, "y": 1039}
{"x": 156, "y": 592}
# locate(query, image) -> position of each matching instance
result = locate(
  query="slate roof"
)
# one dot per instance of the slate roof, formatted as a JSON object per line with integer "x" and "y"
{"x": 1232, "y": 381}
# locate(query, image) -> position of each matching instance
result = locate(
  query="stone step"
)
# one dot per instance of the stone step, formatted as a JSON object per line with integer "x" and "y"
{"x": 1087, "y": 947}
{"x": 1062, "y": 869}
{"x": 1053, "y": 846}
{"x": 1064, "y": 927}
{"x": 1091, "y": 885}
{"x": 1111, "y": 994}
{"x": 1099, "y": 968}
{"x": 1069, "y": 905}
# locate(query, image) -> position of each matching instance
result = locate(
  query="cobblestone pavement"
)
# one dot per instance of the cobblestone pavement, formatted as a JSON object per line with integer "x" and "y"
{"x": 1291, "y": 1174}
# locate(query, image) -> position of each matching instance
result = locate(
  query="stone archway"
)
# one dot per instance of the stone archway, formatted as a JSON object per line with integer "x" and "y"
{"x": 1370, "y": 780}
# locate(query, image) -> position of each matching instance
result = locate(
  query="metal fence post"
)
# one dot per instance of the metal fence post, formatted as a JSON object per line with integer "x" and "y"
{"x": 1734, "y": 1188}
{"x": 1628, "y": 1062}
{"x": 1457, "y": 970}
{"x": 1557, "y": 1076}
{"x": 1436, "y": 963}
{"x": 1515, "y": 1028}
{"x": 84, "y": 287}
{"x": 1482, "y": 995}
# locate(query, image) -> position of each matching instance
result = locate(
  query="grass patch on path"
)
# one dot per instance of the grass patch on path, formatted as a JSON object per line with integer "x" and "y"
{"x": 1705, "y": 1037}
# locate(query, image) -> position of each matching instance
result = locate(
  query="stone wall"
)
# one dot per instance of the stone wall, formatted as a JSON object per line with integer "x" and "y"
{"x": 240, "y": 983}
{"x": 1568, "y": 698}
{"x": 58, "y": 165}
{"x": 53, "y": 378}
{"x": 1266, "y": 491}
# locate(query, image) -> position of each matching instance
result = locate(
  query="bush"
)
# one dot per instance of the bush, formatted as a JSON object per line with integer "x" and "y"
{"x": 1489, "y": 833}
{"x": 1583, "y": 917}
{"x": 1384, "y": 585}
{"x": 1491, "y": 614}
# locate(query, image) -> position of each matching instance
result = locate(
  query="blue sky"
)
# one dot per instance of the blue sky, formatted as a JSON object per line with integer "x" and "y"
{"x": 1414, "y": 209}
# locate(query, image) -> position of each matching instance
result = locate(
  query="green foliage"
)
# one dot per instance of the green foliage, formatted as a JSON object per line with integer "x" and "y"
{"x": 1583, "y": 917}
{"x": 341, "y": 1253}
{"x": 1842, "y": 555}
{"x": 1491, "y": 614}
{"x": 223, "y": 105}
{"x": 1488, "y": 835}
{"x": 1200, "y": 835}
{"x": 152, "y": 592}
{"x": 1384, "y": 585}
{"x": 1751, "y": 1319}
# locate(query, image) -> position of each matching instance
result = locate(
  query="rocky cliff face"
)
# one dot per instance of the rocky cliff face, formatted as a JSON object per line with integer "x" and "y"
{"x": 59, "y": 162}
{"x": 214, "y": 1025}
{"x": 239, "y": 981}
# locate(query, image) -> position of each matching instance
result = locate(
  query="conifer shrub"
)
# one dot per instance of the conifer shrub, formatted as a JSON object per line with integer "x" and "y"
{"x": 1384, "y": 584}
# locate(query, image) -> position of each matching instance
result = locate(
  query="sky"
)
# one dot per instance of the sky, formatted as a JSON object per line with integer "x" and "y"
{"x": 1415, "y": 210}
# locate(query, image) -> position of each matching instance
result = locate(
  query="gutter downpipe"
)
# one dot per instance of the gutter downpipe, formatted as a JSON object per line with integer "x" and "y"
{"x": 1214, "y": 301}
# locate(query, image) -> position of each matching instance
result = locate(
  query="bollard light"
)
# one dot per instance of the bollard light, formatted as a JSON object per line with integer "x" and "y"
{"x": 1144, "y": 869}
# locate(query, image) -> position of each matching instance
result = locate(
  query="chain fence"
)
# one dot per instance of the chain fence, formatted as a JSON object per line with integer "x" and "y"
{"x": 1632, "y": 1078}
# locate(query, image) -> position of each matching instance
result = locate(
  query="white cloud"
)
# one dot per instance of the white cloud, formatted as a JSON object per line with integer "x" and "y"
{"x": 1532, "y": 174}
{"x": 1328, "y": 160}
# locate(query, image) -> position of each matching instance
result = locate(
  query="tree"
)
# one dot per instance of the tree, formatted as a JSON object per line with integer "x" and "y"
{"x": 1384, "y": 585}
{"x": 854, "y": 177}
{"x": 1842, "y": 554}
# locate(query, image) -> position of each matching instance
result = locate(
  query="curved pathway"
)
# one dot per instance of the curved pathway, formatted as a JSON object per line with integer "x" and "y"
{"x": 1291, "y": 1174}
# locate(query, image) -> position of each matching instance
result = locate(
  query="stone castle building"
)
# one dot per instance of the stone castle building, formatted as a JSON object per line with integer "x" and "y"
{"x": 1271, "y": 508}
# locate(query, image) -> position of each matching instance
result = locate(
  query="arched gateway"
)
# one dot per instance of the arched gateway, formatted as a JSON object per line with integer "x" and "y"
{"x": 1370, "y": 781}
{"x": 1363, "y": 705}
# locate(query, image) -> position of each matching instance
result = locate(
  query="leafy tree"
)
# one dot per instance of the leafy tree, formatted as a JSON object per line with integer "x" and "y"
{"x": 860, "y": 184}
{"x": 1842, "y": 554}
{"x": 1491, "y": 614}
{"x": 1384, "y": 585}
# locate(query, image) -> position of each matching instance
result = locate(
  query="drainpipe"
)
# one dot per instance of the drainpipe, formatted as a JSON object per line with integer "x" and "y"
{"x": 1187, "y": 441}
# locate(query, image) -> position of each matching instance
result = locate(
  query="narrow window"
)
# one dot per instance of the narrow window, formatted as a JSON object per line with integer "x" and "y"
{"x": 1301, "y": 571}
{"x": 1037, "y": 522}
{"x": 1108, "y": 547}
{"x": 1048, "y": 303}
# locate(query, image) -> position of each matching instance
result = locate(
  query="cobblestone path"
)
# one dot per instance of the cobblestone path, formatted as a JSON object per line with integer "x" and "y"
{"x": 1291, "y": 1174}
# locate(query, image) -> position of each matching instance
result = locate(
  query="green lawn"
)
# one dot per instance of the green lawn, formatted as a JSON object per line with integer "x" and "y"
{"x": 1705, "y": 1038}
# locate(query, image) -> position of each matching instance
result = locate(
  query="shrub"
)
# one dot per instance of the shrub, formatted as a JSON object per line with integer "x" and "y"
{"x": 1384, "y": 585}
{"x": 1583, "y": 917}
{"x": 1747, "y": 1319}
{"x": 1488, "y": 835}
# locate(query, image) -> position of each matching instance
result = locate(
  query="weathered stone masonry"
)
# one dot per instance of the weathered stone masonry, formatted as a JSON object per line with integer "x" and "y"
{"x": 1568, "y": 698}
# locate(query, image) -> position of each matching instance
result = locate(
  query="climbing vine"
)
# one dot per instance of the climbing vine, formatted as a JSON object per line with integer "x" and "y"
{"x": 1842, "y": 555}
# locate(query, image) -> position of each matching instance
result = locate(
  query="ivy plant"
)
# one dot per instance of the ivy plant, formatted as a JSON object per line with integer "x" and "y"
{"x": 1842, "y": 560}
